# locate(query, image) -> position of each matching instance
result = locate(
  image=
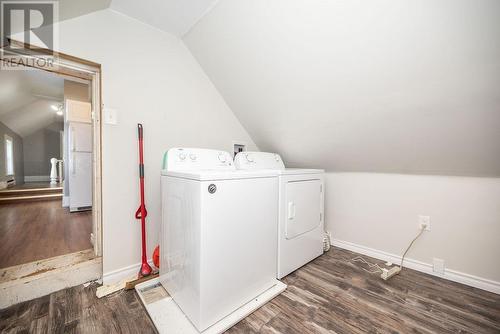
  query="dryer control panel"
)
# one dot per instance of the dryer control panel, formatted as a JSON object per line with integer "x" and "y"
{"x": 189, "y": 159}
{"x": 258, "y": 160}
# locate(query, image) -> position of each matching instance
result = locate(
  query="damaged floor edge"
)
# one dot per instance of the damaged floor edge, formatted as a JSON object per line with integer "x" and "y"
{"x": 39, "y": 278}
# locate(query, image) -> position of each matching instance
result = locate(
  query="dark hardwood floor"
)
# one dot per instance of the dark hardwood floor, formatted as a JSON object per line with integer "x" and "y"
{"x": 333, "y": 295}
{"x": 78, "y": 310}
{"x": 32, "y": 231}
{"x": 329, "y": 295}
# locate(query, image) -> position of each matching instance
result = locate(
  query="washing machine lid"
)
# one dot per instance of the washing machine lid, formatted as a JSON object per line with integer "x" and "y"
{"x": 217, "y": 175}
{"x": 258, "y": 160}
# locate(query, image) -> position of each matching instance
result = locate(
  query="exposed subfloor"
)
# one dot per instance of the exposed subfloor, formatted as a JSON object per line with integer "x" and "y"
{"x": 329, "y": 295}
{"x": 32, "y": 231}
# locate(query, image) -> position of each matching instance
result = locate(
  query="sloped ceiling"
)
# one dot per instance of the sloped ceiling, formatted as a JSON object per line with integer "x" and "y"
{"x": 172, "y": 16}
{"x": 26, "y": 98}
{"x": 69, "y": 9}
{"x": 375, "y": 86}
{"x": 176, "y": 17}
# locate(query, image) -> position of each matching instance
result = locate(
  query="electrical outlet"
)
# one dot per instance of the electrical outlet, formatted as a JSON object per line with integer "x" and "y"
{"x": 438, "y": 266}
{"x": 425, "y": 222}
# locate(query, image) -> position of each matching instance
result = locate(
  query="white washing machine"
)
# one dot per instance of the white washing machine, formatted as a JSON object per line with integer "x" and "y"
{"x": 301, "y": 207}
{"x": 218, "y": 237}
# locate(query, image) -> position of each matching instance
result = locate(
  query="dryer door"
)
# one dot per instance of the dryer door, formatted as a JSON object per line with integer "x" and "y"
{"x": 303, "y": 207}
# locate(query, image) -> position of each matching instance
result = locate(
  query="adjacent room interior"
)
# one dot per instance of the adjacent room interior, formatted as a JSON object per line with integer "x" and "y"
{"x": 46, "y": 184}
{"x": 263, "y": 166}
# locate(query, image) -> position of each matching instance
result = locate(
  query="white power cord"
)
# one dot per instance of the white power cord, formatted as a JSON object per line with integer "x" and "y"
{"x": 370, "y": 265}
{"x": 387, "y": 273}
{"x": 327, "y": 241}
{"x": 422, "y": 229}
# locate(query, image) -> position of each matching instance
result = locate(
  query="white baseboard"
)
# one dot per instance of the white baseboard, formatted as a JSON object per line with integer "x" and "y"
{"x": 452, "y": 275}
{"x": 117, "y": 275}
{"x": 37, "y": 178}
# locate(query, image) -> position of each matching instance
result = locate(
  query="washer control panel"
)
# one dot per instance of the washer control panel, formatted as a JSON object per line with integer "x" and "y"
{"x": 258, "y": 160}
{"x": 186, "y": 159}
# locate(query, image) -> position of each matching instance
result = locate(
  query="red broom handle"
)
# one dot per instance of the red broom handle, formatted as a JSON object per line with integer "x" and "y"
{"x": 142, "y": 213}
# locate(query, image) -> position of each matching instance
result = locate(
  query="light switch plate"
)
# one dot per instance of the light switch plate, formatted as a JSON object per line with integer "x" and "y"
{"x": 110, "y": 116}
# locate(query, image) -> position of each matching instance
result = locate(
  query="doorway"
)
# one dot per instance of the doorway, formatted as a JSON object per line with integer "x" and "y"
{"x": 50, "y": 176}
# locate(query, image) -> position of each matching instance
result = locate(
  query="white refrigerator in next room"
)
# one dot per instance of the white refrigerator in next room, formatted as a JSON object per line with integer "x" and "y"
{"x": 80, "y": 166}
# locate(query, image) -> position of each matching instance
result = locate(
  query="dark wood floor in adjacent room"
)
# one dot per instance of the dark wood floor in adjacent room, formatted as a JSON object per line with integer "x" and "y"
{"x": 32, "y": 231}
{"x": 329, "y": 295}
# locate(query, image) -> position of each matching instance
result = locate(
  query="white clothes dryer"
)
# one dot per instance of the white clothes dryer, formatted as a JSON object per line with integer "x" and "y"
{"x": 301, "y": 209}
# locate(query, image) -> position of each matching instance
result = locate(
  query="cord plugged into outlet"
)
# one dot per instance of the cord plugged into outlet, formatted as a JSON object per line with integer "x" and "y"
{"x": 424, "y": 222}
{"x": 387, "y": 273}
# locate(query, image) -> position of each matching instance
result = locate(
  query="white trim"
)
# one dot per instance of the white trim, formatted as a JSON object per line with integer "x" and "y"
{"x": 37, "y": 178}
{"x": 452, "y": 275}
{"x": 117, "y": 275}
{"x": 65, "y": 202}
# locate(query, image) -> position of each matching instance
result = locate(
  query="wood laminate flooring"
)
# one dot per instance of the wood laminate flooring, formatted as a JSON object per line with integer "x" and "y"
{"x": 32, "y": 231}
{"x": 329, "y": 295}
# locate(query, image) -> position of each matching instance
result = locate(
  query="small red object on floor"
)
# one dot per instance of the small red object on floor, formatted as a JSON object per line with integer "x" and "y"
{"x": 156, "y": 257}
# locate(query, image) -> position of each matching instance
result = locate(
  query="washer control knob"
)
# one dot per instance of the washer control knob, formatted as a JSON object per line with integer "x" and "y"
{"x": 222, "y": 157}
{"x": 182, "y": 156}
{"x": 192, "y": 157}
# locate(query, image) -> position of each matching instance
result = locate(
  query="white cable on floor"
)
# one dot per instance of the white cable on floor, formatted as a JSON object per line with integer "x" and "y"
{"x": 377, "y": 267}
{"x": 371, "y": 265}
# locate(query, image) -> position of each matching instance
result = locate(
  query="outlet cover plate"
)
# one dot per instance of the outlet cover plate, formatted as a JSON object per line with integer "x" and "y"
{"x": 424, "y": 220}
{"x": 438, "y": 266}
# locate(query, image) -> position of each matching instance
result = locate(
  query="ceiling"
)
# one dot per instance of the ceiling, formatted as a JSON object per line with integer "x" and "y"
{"x": 26, "y": 98}
{"x": 172, "y": 16}
{"x": 378, "y": 86}
{"x": 69, "y": 9}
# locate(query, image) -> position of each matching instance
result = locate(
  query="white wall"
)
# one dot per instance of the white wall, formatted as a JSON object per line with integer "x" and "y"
{"x": 380, "y": 211}
{"x": 41, "y": 146}
{"x": 149, "y": 77}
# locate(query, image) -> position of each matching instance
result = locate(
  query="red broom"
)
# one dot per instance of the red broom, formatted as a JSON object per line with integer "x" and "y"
{"x": 142, "y": 213}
